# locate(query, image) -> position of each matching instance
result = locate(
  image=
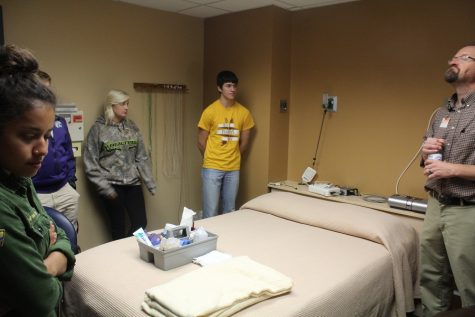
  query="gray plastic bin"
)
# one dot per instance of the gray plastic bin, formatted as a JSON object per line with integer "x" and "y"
{"x": 173, "y": 258}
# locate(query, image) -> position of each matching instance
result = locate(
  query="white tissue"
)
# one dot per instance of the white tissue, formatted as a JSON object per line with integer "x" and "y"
{"x": 212, "y": 257}
{"x": 187, "y": 217}
{"x": 200, "y": 234}
{"x": 170, "y": 243}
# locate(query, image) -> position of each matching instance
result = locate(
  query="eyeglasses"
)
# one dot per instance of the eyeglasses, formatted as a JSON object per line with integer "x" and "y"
{"x": 463, "y": 58}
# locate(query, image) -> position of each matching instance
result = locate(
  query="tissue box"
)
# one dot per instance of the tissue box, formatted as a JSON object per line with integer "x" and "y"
{"x": 173, "y": 258}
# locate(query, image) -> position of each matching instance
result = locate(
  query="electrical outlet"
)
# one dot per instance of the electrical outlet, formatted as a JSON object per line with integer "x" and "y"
{"x": 330, "y": 103}
{"x": 283, "y": 106}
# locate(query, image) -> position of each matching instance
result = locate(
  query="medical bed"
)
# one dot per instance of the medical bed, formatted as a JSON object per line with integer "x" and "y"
{"x": 344, "y": 260}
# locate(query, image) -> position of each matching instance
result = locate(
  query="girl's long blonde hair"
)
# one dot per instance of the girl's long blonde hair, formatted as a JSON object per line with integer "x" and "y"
{"x": 114, "y": 97}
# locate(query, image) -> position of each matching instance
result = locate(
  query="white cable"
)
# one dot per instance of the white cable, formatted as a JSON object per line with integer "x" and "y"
{"x": 375, "y": 198}
{"x": 415, "y": 155}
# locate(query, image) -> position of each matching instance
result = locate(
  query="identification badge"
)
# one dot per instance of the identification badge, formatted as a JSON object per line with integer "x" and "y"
{"x": 445, "y": 122}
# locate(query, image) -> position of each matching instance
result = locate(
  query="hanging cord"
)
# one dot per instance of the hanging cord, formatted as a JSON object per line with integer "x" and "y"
{"x": 150, "y": 122}
{"x": 319, "y": 137}
{"x": 184, "y": 177}
{"x": 173, "y": 134}
{"x": 415, "y": 155}
{"x": 154, "y": 139}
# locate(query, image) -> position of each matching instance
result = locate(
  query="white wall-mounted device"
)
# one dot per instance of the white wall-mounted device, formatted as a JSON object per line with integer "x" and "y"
{"x": 324, "y": 189}
{"x": 308, "y": 175}
{"x": 75, "y": 120}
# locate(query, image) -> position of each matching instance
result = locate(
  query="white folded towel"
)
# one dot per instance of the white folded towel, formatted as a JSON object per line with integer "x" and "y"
{"x": 212, "y": 257}
{"x": 216, "y": 290}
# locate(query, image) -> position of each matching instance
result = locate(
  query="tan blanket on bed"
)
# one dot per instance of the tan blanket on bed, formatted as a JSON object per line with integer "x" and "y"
{"x": 216, "y": 290}
{"x": 399, "y": 239}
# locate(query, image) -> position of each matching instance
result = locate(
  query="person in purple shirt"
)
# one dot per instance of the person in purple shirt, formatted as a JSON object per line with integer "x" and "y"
{"x": 55, "y": 182}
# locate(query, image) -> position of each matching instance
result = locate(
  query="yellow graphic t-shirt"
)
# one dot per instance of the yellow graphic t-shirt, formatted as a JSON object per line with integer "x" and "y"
{"x": 224, "y": 125}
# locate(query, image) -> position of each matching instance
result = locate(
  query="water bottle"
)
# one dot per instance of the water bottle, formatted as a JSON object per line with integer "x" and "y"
{"x": 435, "y": 156}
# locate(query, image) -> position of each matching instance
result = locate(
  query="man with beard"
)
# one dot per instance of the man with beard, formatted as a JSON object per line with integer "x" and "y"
{"x": 448, "y": 235}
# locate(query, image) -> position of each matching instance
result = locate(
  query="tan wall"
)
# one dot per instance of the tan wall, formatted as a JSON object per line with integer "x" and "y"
{"x": 280, "y": 90}
{"x": 385, "y": 61}
{"x": 246, "y": 49}
{"x": 90, "y": 47}
{"x": 259, "y": 52}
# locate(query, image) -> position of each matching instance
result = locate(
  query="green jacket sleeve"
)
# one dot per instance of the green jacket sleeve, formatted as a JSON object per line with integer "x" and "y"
{"x": 26, "y": 285}
{"x": 64, "y": 246}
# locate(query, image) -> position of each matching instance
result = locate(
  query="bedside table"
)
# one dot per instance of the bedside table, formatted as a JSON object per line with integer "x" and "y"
{"x": 410, "y": 217}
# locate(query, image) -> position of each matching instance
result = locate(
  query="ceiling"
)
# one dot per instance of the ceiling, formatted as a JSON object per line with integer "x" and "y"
{"x": 211, "y": 8}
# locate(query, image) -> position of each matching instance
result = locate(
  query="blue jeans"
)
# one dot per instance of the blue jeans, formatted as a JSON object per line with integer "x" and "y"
{"x": 219, "y": 186}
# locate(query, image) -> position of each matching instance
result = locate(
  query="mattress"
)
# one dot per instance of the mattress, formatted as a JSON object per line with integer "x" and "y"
{"x": 344, "y": 260}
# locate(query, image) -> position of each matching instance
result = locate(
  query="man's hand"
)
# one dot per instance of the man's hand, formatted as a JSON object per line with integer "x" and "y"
{"x": 435, "y": 169}
{"x": 431, "y": 146}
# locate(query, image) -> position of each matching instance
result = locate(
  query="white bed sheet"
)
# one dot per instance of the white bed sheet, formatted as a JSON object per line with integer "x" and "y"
{"x": 334, "y": 274}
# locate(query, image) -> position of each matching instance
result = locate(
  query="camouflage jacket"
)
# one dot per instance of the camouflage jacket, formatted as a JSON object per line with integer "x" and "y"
{"x": 115, "y": 154}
